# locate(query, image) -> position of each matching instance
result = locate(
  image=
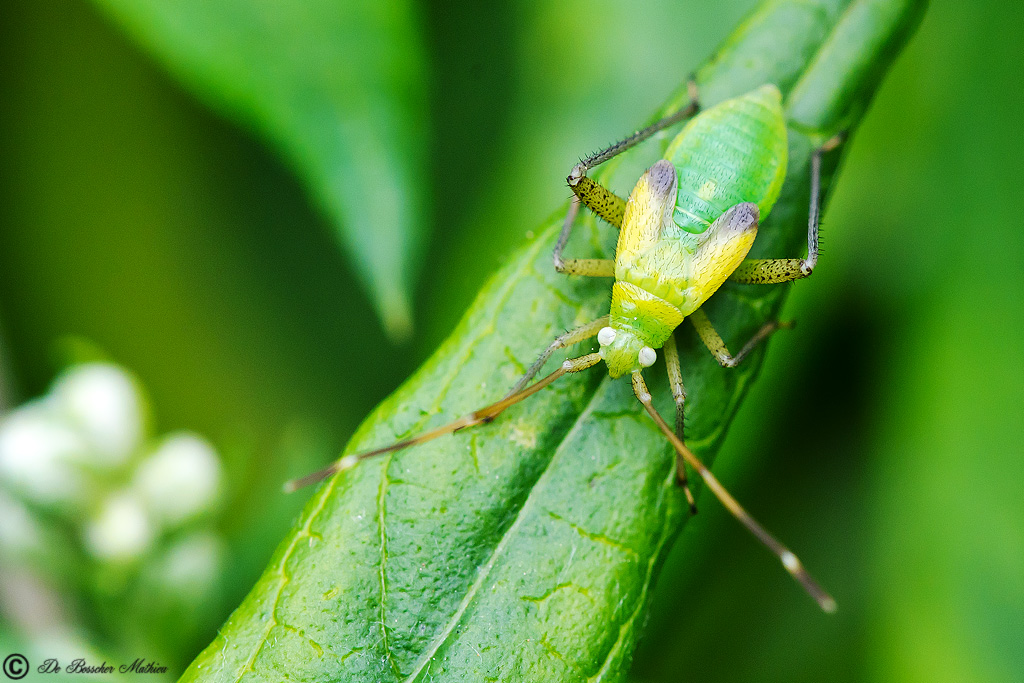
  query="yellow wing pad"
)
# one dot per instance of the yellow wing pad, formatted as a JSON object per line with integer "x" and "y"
{"x": 723, "y": 248}
{"x": 649, "y": 207}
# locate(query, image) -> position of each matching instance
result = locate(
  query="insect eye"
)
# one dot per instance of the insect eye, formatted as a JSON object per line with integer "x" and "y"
{"x": 606, "y": 336}
{"x": 647, "y": 356}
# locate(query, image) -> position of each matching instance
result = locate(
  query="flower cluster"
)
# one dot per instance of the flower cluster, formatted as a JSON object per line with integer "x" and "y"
{"x": 85, "y": 491}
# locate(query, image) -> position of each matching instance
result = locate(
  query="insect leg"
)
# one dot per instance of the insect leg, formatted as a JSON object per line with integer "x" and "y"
{"x": 562, "y": 341}
{"x": 602, "y": 201}
{"x": 481, "y": 416}
{"x": 675, "y": 380}
{"x": 774, "y": 271}
{"x": 589, "y": 267}
{"x": 790, "y": 561}
{"x": 709, "y": 335}
{"x": 598, "y": 158}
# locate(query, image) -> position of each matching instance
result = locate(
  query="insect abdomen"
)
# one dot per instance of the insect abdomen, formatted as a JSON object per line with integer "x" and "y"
{"x": 732, "y": 153}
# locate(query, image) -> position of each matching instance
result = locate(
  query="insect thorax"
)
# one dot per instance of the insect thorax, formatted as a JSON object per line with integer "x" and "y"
{"x": 639, "y": 319}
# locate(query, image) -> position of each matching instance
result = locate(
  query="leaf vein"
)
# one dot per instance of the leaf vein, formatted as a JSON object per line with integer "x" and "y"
{"x": 381, "y": 493}
{"x": 597, "y": 538}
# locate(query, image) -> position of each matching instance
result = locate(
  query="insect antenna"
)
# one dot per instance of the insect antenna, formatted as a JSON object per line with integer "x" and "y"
{"x": 791, "y": 562}
{"x": 480, "y": 416}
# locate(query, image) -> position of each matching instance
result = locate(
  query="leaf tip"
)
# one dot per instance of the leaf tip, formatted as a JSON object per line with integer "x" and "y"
{"x": 395, "y": 312}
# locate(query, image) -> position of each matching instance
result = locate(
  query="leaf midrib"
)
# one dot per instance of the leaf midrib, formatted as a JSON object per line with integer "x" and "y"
{"x": 499, "y": 548}
{"x": 484, "y": 570}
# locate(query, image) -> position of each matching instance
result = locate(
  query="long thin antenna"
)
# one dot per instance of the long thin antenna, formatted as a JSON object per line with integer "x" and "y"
{"x": 485, "y": 414}
{"x": 790, "y": 561}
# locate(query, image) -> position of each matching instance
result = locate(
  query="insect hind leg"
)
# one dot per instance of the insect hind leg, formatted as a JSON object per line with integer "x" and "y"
{"x": 777, "y": 271}
{"x": 693, "y": 106}
{"x": 602, "y": 201}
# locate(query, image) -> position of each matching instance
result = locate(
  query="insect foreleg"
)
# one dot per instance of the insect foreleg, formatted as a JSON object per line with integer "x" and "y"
{"x": 709, "y": 335}
{"x": 790, "y": 561}
{"x": 562, "y": 341}
{"x": 675, "y": 380}
{"x": 775, "y": 271}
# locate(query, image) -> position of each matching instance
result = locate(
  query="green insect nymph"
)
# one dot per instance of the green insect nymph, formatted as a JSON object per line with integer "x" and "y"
{"x": 686, "y": 228}
{"x": 690, "y": 221}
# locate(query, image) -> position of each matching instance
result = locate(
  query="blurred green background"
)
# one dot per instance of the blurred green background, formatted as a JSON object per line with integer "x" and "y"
{"x": 883, "y": 440}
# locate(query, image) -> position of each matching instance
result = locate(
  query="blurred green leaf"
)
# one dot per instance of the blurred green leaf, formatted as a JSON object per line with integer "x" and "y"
{"x": 340, "y": 88}
{"x": 972, "y": 631}
{"x": 526, "y": 550}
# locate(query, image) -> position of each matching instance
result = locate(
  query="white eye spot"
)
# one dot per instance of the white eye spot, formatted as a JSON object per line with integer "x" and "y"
{"x": 647, "y": 356}
{"x": 606, "y": 336}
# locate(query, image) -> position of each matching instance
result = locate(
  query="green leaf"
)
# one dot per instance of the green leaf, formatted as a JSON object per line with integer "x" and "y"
{"x": 526, "y": 549}
{"x": 340, "y": 89}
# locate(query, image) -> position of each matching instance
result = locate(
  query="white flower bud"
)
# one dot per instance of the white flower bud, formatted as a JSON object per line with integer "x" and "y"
{"x": 180, "y": 480}
{"x": 121, "y": 531}
{"x": 102, "y": 401}
{"x": 19, "y": 531}
{"x": 192, "y": 565}
{"x": 36, "y": 456}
